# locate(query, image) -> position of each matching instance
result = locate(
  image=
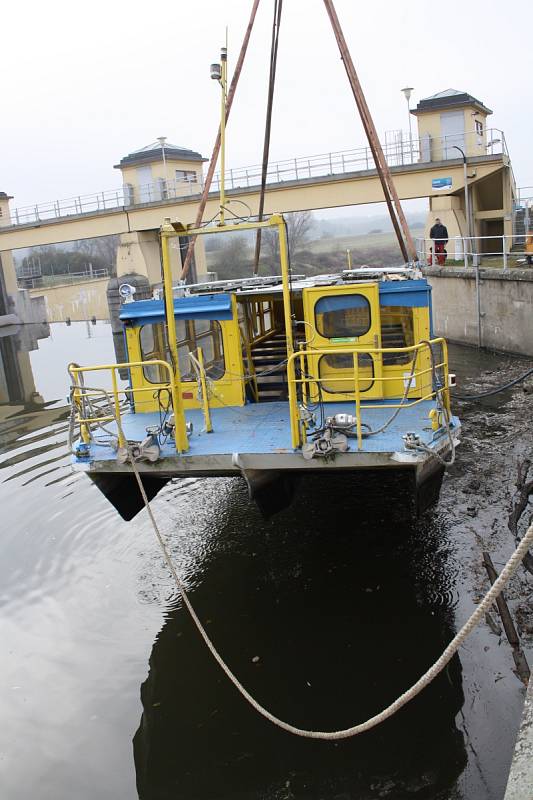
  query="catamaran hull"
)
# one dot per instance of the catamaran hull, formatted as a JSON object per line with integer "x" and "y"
{"x": 272, "y": 479}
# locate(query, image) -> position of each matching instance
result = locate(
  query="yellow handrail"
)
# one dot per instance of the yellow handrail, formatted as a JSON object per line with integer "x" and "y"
{"x": 79, "y": 392}
{"x": 305, "y": 381}
{"x": 205, "y": 398}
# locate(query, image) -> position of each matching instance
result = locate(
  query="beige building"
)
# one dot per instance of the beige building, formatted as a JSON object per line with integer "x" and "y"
{"x": 16, "y": 305}
{"x": 158, "y": 172}
{"x": 452, "y": 125}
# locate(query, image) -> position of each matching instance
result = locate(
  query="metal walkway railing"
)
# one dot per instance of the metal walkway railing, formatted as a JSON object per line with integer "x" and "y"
{"x": 418, "y": 383}
{"x": 404, "y": 151}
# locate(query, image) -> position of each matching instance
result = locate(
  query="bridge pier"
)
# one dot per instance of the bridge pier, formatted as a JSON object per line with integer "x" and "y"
{"x": 16, "y": 305}
{"x": 139, "y": 253}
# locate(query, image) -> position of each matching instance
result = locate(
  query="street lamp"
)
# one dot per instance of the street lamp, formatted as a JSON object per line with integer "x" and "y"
{"x": 162, "y": 140}
{"x": 219, "y": 73}
{"x": 407, "y": 94}
{"x": 467, "y": 203}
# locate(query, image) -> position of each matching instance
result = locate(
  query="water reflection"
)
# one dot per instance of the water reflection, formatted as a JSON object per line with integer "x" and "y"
{"x": 327, "y": 613}
{"x": 343, "y": 604}
{"x": 17, "y": 384}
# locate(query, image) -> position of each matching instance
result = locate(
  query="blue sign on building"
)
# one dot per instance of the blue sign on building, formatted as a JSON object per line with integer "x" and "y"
{"x": 441, "y": 183}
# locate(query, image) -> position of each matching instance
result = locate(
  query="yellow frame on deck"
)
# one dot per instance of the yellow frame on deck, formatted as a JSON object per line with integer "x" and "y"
{"x": 170, "y": 231}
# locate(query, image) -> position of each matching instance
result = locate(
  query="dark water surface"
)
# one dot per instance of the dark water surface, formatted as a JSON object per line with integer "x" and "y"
{"x": 326, "y": 613}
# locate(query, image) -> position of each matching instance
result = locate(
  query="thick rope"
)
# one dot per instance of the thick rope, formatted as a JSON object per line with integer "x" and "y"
{"x": 479, "y": 613}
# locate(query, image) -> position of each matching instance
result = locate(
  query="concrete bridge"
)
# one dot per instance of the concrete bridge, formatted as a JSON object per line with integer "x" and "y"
{"x": 160, "y": 181}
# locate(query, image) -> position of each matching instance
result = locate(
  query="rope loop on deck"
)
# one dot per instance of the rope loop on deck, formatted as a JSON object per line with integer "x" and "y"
{"x": 478, "y": 614}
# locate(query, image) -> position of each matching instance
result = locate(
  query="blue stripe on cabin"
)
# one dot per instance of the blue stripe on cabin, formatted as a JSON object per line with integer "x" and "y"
{"x": 415, "y": 293}
{"x": 204, "y": 306}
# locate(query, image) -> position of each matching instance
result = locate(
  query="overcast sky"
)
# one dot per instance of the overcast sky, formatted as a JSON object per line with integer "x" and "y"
{"x": 85, "y": 84}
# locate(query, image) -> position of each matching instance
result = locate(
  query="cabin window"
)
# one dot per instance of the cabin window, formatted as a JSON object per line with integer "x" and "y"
{"x": 255, "y": 319}
{"x": 342, "y": 316}
{"x": 152, "y": 343}
{"x": 191, "y": 334}
{"x": 397, "y": 330}
{"x": 267, "y": 317}
{"x": 203, "y": 333}
{"x": 334, "y": 368}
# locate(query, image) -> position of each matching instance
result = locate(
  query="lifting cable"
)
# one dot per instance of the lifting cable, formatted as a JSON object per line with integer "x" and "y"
{"x": 497, "y": 390}
{"x": 268, "y": 123}
{"x": 478, "y": 614}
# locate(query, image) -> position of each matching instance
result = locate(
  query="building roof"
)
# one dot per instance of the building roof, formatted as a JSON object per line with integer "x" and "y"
{"x": 449, "y": 98}
{"x": 4, "y": 196}
{"x": 154, "y": 152}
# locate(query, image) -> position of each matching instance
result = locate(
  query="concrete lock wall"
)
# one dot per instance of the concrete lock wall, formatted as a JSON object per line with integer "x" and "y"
{"x": 77, "y": 301}
{"x": 506, "y": 307}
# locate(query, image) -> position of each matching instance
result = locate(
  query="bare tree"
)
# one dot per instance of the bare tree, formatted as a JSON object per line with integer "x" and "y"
{"x": 299, "y": 224}
{"x": 233, "y": 259}
{"x": 103, "y": 247}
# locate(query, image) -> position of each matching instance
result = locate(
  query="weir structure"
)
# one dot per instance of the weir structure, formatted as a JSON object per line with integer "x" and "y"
{"x": 162, "y": 180}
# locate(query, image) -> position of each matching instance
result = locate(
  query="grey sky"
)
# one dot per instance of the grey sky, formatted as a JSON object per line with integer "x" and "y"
{"x": 85, "y": 84}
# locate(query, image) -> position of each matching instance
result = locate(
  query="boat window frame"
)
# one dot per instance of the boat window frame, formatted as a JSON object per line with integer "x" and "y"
{"x": 215, "y": 368}
{"x": 347, "y": 388}
{"x": 341, "y": 296}
{"x": 398, "y": 359}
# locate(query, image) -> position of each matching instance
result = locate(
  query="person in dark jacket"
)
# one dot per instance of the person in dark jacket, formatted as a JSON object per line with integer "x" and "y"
{"x": 439, "y": 234}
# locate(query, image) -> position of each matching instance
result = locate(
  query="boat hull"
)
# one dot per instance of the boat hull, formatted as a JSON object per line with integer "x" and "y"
{"x": 272, "y": 483}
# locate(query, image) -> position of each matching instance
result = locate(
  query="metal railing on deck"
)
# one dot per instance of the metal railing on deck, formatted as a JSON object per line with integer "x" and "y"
{"x": 303, "y": 386}
{"x": 91, "y": 412}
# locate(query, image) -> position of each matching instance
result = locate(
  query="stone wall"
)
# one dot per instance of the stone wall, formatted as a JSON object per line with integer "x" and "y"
{"x": 506, "y": 306}
{"x": 75, "y": 301}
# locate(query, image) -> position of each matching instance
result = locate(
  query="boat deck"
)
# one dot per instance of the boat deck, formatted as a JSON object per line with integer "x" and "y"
{"x": 264, "y": 428}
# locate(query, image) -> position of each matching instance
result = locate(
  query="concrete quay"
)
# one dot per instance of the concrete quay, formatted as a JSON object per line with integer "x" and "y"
{"x": 520, "y": 783}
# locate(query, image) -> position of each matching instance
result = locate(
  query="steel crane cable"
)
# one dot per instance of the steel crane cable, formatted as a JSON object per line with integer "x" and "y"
{"x": 268, "y": 123}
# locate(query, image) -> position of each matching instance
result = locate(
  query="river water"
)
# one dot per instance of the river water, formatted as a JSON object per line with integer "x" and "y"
{"x": 326, "y": 612}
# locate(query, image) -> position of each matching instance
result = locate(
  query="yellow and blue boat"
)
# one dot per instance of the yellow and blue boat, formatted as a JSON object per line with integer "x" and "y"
{"x": 270, "y": 378}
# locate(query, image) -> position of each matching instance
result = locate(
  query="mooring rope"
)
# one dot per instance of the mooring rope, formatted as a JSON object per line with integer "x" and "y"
{"x": 498, "y": 586}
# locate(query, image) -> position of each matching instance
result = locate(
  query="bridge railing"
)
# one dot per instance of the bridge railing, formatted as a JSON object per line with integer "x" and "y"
{"x": 404, "y": 151}
{"x": 504, "y": 252}
{"x": 47, "y": 281}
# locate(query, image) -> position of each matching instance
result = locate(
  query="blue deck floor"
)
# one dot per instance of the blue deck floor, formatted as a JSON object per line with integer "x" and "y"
{"x": 264, "y": 428}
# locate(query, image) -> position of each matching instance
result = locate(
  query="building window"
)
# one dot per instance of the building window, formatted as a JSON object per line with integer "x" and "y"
{"x": 187, "y": 175}
{"x": 479, "y": 127}
{"x": 342, "y": 316}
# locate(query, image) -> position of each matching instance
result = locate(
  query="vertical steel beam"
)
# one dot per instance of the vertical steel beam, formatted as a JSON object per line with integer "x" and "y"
{"x": 407, "y": 245}
{"x": 182, "y": 442}
{"x": 216, "y": 148}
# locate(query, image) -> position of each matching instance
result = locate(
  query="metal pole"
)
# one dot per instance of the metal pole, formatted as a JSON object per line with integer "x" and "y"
{"x": 167, "y": 231}
{"x": 407, "y": 245}
{"x": 410, "y": 133}
{"x": 164, "y": 164}
{"x": 467, "y": 201}
{"x": 478, "y": 302}
{"x": 216, "y": 148}
{"x": 223, "y": 82}
{"x": 467, "y": 208}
